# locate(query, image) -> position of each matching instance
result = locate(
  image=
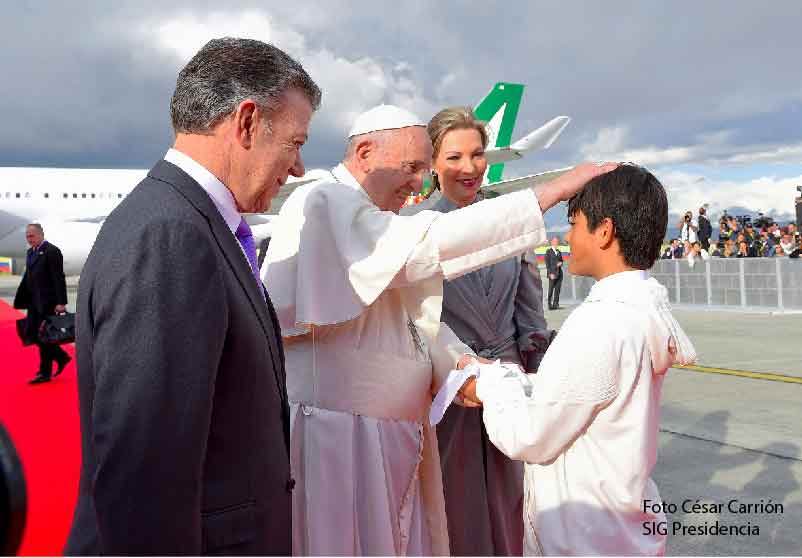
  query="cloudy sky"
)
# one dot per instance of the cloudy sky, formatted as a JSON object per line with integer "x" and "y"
{"x": 706, "y": 94}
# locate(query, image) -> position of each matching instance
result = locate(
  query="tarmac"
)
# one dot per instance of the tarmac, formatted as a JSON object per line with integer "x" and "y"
{"x": 724, "y": 437}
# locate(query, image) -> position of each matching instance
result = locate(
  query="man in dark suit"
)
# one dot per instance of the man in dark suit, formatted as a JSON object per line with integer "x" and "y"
{"x": 705, "y": 229}
{"x": 184, "y": 415}
{"x": 554, "y": 268}
{"x": 43, "y": 292}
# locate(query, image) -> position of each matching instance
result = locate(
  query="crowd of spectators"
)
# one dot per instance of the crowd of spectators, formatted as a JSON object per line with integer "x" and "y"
{"x": 738, "y": 237}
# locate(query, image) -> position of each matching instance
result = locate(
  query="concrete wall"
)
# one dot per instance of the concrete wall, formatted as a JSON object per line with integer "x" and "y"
{"x": 774, "y": 283}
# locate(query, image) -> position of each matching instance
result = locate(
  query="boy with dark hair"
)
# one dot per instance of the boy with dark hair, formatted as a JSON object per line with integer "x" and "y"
{"x": 587, "y": 424}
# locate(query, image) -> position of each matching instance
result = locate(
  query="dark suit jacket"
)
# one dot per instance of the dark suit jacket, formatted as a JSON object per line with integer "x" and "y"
{"x": 184, "y": 415}
{"x": 705, "y": 229}
{"x": 42, "y": 287}
{"x": 551, "y": 262}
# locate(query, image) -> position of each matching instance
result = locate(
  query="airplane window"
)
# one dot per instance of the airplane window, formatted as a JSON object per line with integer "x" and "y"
{"x": 17, "y": 194}
{"x": 65, "y": 195}
{"x": 75, "y": 195}
{"x": 93, "y": 196}
{"x": 119, "y": 195}
{"x": 27, "y": 194}
{"x": 83, "y": 195}
{"x": 47, "y": 195}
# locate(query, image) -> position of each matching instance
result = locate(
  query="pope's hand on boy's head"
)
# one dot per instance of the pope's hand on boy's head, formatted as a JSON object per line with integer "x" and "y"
{"x": 568, "y": 184}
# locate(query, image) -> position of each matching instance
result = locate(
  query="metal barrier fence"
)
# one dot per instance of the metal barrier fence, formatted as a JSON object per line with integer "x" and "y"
{"x": 774, "y": 283}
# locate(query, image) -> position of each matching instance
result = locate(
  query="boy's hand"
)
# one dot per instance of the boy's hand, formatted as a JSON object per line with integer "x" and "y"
{"x": 468, "y": 390}
{"x": 468, "y": 393}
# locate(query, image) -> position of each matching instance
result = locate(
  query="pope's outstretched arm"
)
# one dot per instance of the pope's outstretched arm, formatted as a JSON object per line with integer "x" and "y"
{"x": 489, "y": 231}
{"x": 334, "y": 251}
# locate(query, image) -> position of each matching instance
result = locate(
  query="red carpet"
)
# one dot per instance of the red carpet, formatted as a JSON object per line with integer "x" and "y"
{"x": 43, "y": 423}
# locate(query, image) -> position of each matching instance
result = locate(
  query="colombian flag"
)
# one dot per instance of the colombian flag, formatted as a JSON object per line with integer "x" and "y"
{"x": 540, "y": 252}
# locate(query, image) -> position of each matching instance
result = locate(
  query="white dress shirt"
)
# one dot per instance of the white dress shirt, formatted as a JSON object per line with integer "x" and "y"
{"x": 221, "y": 196}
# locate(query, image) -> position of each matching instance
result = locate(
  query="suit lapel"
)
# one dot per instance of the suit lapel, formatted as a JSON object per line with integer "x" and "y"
{"x": 191, "y": 190}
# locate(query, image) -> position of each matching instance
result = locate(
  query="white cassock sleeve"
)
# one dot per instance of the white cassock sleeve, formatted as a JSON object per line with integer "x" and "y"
{"x": 333, "y": 252}
{"x": 475, "y": 236}
{"x": 445, "y": 352}
{"x": 577, "y": 378}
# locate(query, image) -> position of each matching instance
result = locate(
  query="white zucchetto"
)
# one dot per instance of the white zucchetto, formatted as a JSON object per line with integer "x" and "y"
{"x": 384, "y": 117}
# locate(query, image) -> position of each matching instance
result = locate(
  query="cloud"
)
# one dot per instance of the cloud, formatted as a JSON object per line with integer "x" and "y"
{"x": 350, "y": 85}
{"x": 778, "y": 154}
{"x": 88, "y": 84}
{"x": 689, "y": 190}
{"x": 715, "y": 148}
{"x": 770, "y": 194}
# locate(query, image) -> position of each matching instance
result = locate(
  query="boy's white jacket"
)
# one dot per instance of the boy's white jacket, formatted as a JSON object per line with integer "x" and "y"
{"x": 588, "y": 424}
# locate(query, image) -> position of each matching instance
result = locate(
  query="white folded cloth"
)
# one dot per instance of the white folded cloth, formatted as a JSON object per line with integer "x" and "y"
{"x": 456, "y": 378}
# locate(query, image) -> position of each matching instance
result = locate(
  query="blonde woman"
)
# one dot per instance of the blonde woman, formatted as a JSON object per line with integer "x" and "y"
{"x": 498, "y": 311}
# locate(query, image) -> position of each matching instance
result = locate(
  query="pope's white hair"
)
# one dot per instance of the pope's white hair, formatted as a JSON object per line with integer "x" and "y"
{"x": 378, "y": 138}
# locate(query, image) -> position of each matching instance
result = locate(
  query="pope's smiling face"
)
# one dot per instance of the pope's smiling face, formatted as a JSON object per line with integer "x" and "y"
{"x": 396, "y": 165}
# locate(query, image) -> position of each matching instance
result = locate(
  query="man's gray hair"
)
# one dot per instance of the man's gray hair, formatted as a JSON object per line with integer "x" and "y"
{"x": 38, "y": 227}
{"x": 227, "y": 71}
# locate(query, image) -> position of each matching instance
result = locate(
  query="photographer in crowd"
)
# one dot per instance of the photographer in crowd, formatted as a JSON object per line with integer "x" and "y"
{"x": 697, "y": 253}
{"x": 786, "y": 244}
{"x": 723, "y": 229}
{"x": 749, "y": 233}
{"x": 673, "y": 251}
{"x": 767, "y": 244}
{"x": 743, "y": 250}
{"x": 688, "y": 228}
{"x": 798, "y": 250}
{"x": 794, "y": 232}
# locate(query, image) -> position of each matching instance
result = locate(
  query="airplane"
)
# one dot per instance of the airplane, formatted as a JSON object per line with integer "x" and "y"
{"x": 71, "y": 204}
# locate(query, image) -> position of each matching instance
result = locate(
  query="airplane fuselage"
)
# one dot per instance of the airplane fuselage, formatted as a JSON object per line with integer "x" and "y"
{"x": 70, "y": 204}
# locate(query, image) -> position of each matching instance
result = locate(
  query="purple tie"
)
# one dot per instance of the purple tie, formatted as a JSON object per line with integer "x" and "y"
{"x": 245, "y": 237}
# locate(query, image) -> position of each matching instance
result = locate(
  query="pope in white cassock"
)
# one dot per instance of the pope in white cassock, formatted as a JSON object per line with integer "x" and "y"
{"x": 358, "y": 290}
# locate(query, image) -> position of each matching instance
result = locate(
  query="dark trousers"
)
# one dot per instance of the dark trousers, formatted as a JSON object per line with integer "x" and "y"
{"x": 554, "y": 290}
{"x": 48, "y": 354}
{"x": 705, "y": 242}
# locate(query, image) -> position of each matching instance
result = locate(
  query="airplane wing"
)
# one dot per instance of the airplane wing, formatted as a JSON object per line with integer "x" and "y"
{"x": 97, "y": 219}
{"x": 542, "y": 138}
{"x": 515, "y": 184}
